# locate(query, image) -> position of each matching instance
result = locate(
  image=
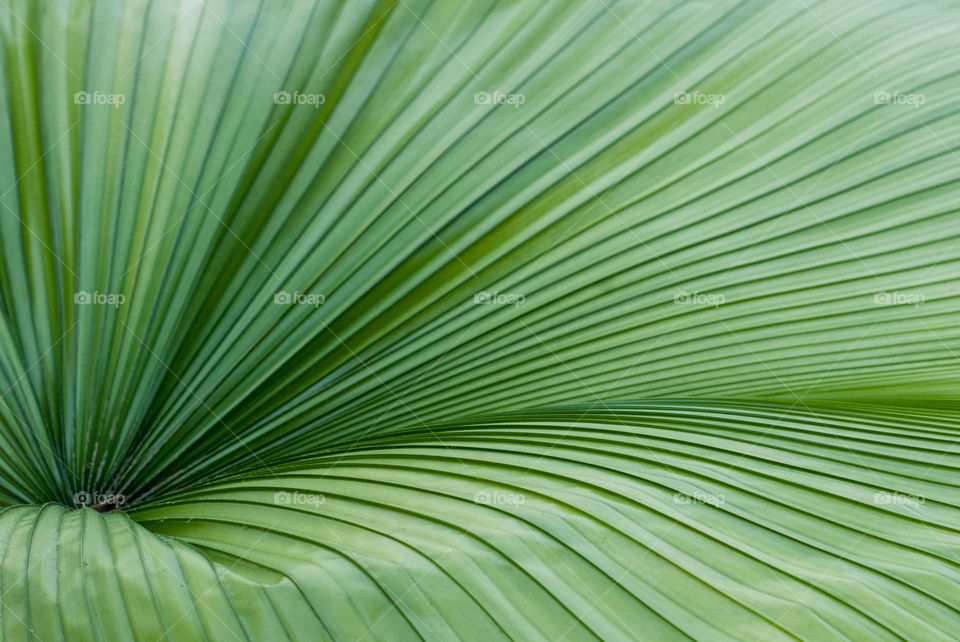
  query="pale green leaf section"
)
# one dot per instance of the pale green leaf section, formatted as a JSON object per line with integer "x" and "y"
{"x": 666, "y": 520}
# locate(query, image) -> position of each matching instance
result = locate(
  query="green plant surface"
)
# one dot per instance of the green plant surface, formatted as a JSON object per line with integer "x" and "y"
{"x": 480, "y": 320}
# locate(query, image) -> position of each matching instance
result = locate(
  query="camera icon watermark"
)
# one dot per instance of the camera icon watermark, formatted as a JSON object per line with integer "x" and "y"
{"x": 299, "y": 298}
{"x": 699, "y": 498}
{"x": 86, "y": 498}
{"x": 896, "y": 98}
{"x": 296, "y": 498}
{"x": 698, "y": 98}
{"x": 499, "y": 298}
{"x": 900, "y": 499}
{"x": 99, "y": 98}
{"x": 98, "y": 298}
{"x": 899, "y": 298}
{"x": 299, "y": 98}
{"x": 499, "y": 498}
{"x": 498, "y": 98}
{"x": 712, "y": 299}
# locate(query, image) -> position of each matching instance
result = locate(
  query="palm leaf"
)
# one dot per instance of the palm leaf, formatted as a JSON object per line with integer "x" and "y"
{"x": 481, "y": 320}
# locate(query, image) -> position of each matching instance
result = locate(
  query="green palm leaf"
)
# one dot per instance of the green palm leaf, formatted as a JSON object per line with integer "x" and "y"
{"x": 482, "y": 320}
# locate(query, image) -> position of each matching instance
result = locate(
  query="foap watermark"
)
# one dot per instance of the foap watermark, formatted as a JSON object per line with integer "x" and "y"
{"x": 499, "y": 498}
{"x": 86, "y": 498}
{"x": 298, "y": 98}
{"x": 902, "y": 499}
{"x": 499, "y": 298}
{"x": 98, "y": 298}
{"x": 698, "y": 98}
{"x": 713, "y": 299}
{"x": 98, "y": 98}
{"x": 899, "y": 298}
{"x": 896, "y": 98}
{"x": 699, "y": 498}
{"x": 498, "y": 98}
{"x": 299, "y": 298}
{"x": 296, "y": 498}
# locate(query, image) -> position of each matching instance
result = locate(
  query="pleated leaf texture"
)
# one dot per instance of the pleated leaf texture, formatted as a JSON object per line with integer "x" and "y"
{"x": 479, "y": 320}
